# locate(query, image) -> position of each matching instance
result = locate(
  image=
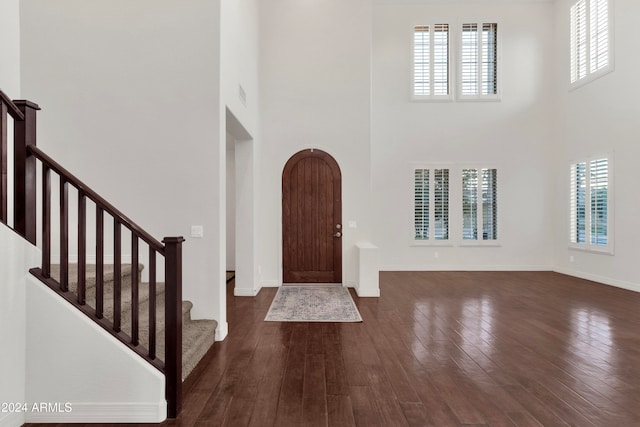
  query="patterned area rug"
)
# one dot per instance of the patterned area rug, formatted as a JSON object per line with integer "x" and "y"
{"x": 313, "y": 304}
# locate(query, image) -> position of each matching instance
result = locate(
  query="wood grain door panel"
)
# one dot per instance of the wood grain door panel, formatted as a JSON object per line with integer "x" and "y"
{"x": 311, "y": 212}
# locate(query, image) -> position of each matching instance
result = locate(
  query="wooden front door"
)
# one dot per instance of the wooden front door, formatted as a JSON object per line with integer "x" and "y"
{"x": 312, "y": 219}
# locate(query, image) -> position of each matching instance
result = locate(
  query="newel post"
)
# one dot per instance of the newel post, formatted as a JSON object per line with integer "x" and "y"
{"x": 24, "y": 212}
{"x": 173, "y": 329}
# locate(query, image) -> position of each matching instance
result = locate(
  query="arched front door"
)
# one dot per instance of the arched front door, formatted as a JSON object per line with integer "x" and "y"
{"x": 312, "y": 219}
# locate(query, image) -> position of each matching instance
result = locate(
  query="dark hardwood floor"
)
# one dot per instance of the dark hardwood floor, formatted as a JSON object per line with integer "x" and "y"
{"x": 437, "y": 349}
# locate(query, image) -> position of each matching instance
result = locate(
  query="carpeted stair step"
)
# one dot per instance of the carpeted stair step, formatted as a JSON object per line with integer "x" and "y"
{"x": 90, "y": 279}
{"x": 197, "y": 335}
{"x": 197, "y": 338}
{"x": 108, "y": 285}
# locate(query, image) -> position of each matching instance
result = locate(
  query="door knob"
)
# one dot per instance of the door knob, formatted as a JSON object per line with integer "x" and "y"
{"x": 338, "y": 234}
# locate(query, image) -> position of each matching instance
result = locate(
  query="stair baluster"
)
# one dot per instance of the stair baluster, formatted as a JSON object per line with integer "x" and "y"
{"x": 82, "y": 247}
{"x": 135, "y": 302}
{"x": 117, "y": 275}
{"x": 64, "y": 235}
{"x": 152, "y": 303}
{"x": 46, "y": 221}
{"x": 99, "y": 262}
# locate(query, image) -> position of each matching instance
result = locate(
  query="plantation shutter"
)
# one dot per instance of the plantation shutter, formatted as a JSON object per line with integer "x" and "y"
{"x": 489, "y": 204}
{"x": 421, "y": 204}
{"x": 441, "y": 59}
{"x": 578, "y": 201}
{"x": 599, "y": 32}
{"x": 599, "y": 183}
{"x": 479, "y": 186}
{"x": 431, "y": 60}
{"x": 470, "y": 204}
{"x": 469, "y": 59}
{"x": 479, "y": 59}
{"x": 578, "y": 40}
{"x": 421, "y": 60}
{"x": 489, "y": 59}
{"x": 441, "y": 204}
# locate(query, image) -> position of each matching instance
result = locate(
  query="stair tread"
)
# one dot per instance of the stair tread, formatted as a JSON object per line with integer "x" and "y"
{"x": 90, "y": 270}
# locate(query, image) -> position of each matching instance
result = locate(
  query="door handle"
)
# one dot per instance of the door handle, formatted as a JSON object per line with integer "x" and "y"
{"x": 338, "y": 234}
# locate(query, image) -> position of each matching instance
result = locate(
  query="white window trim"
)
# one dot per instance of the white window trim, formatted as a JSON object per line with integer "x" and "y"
{"x": 433, "y": 98}
{"x": 458, "y": 62}
{"x": 479, "y": 242}
{"x": 588, "y": 246}
{"x": 455, "y": 59}
{"x": 455, "y": 206}
{"x": 591, "y": 76}
{"x": 431, "y": 241}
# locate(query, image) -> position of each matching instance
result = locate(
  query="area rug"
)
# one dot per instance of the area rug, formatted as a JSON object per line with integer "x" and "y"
{"x": 313, "y": 304}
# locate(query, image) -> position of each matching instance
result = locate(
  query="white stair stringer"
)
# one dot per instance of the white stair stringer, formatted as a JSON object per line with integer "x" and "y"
{"x": 197, "y": 335}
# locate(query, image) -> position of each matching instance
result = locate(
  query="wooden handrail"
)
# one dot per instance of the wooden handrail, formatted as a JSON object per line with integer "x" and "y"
{"x": 13, "y": 110}
{"x": 96, "y": 198}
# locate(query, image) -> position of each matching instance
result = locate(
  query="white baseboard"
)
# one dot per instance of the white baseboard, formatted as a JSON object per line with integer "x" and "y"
{"x": 424, "y": 267}
{"x": 369, "y": 293}
{"x": 102, "y": 413}
{"x": 363, "y": 293}
{"x": 12, "y": 419}
{"x": 245, "y": 292}
{"x": 269, "y": 284}
{"x": 222, "y": 331}
{"x": 600, "y": 279}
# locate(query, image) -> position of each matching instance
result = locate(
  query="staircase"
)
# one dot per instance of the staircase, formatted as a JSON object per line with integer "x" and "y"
{"x": 197, "y": 335}
{"x": 149, "y": 318}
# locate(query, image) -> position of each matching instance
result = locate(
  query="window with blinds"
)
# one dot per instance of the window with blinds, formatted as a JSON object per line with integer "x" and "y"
{"x": 590, "y": 204}
{"x": 431, "y": 60}
{"x": 479, "y": 60}
{"x": 431, "y": 204}
{"x": 590, "y": 41}
{"x": 479, "y": 204}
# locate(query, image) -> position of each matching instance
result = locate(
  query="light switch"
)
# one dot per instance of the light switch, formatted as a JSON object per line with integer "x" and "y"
{"x": 353, "y": 224}
{"x": 197, "y": 231}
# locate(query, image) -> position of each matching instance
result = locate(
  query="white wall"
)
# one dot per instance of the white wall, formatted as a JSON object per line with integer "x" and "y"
{"x": 16, "y": 258}
{"x": 601, "y": 117}
{"x": 239, "y": 61}
{"x": 10, "y": 48}
{"x": 514, "y": 135}
{"x": 10, "y": 72}
{"x": 314, "y": 93}
{"x": 240, "y": 99}
{"x": 72, "y": 360}
{"x": 231, "y": 203}
{"x": 130, "y": 93}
